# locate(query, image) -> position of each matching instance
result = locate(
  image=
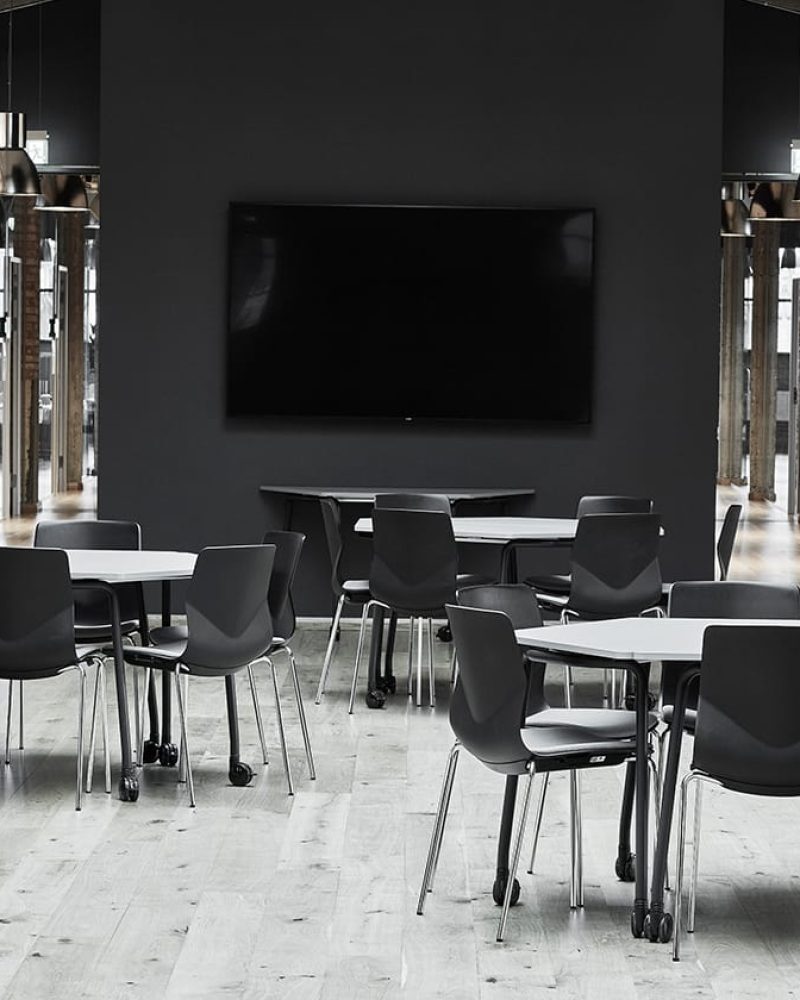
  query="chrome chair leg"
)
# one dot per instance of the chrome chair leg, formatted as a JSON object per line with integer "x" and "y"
{"x": 512, "y": 872}
{"x": 92, "y": 733}
{"x": 301, "y": 713}
{"x": 698, "y": 813}
{"x": 137, "y": 718}
{"x": 183, "y": 755}
{"x": 184, "y": 738}
{"x": 576, "y": 842}
{"x": 676, "y": 941}
{"x": 410, "y": 681}
{"x": 420, "y": 634}
{"x": 8, "y": 721}
{"x": 279, "y": 714}
{"x": 257, "y": 710}
{"x": 142, "y": 711}
{"x": 539, "y": 814}
{"x": 81, "y": 705}
{"x": 438, "y": 827}
{"x": 364, "y": 614}
{"x": 431, "y": 683}
{"x": 106, "y": 743}
{"x": 326, "y": 665}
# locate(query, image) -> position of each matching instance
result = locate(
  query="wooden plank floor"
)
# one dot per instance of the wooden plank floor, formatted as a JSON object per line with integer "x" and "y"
{"x": 256, "y": 895}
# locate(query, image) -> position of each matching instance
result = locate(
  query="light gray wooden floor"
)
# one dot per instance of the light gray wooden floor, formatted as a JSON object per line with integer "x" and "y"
{"x": 256, "y": 895}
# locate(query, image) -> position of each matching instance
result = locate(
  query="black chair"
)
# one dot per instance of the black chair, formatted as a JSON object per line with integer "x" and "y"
{"x": 727, "y": 537}
{"x": 488, "y": 715}
{"x": 288, "y": 546}
{"x": 228, "y": 627}
{"x": 413, "y": 574}
{"x": 37, "y": 627}
{"x": 92, "y": 623}
{"x": 615, "y": 573}
{"x": 747, "y": 735}
{"x": 559, "y": 583}
{"x": 347, "y": 590}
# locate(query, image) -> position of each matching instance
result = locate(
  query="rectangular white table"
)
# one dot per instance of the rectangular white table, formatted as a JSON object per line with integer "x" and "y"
{"x": 101, "y": 569}
{"x": 367, "y": 494}
{"x": 633, "y": 644}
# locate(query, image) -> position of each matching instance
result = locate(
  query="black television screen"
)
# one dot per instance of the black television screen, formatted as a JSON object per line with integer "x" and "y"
{"x": 410, "y": 312}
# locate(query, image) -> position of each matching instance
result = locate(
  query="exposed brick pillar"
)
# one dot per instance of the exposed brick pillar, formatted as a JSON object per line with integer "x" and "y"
{"x": 764, "y": 358}
{"x": 71, "y": 251}
{"x": 26, "y": 247}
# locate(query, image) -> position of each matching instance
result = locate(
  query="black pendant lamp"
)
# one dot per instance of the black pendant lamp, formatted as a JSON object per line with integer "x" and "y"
{"x": 18, "y": 175}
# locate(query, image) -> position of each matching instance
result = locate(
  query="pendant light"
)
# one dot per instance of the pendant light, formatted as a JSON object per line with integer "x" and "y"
{"x": 17, "y": 173}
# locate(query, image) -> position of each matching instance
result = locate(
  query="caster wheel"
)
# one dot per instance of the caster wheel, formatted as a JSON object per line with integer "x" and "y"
{"x": 663, "y": 932}
{"x": 150, "y": 752}
{"x": 499, "y": 891}
{"x": 625, "y": 868}
{"x": 168, "y": 755}
{"x": 443, "y": 633}
{"x": 637, "y": 923}
{"x": 375, "y": 699}
{"x": 129, "y": 789}
{"x": 240, "y": 774}
{"x": 388, "y": 684}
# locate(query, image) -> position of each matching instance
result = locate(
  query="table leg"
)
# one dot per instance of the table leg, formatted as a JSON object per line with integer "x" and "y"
{"x": 388, "y": 682}
{"x": 238, "y": 772}
{"x": 504, "y": 844}
{"x": 166, "y": 750}
{"x": 128, "y": 782}
{"x": 641, "y": 672}
{"x": 375, "y": 697}
{"x": 660, "y": 924}
{"x": 625, "y": 865}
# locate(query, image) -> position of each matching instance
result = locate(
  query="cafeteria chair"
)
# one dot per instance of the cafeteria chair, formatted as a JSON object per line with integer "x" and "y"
{"x": 413, "y": 574}
{"x": 491, "y": 719}
{"x": 727, "y": 538}
{"x": 747, "y": 728}
{"x": 288, "y": 546}
{"x": 346, "y": 589}
{"x": 37, "y": 629}
{"x": 228, "y": 628}
{"x": 615, "y": 573}
{"x": 92, "y": 618}
{"x": 559, "y": 583}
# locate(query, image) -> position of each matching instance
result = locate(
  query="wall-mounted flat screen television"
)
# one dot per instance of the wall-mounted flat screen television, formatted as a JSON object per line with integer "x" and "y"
{"x": 410, "y": 312}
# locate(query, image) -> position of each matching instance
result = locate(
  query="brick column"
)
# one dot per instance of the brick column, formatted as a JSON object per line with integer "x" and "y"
{"x": 26, "y": 247}
{"x": 764, "y": 358}
{"x": 731, "y": 361}
{"x": 71, "y": 252}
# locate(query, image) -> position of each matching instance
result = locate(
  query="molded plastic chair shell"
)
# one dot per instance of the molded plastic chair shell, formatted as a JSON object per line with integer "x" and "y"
{"x": 727, "y": 537}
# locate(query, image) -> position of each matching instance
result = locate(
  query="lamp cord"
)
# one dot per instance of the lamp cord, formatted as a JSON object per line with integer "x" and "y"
{"x": 10, "y": 48}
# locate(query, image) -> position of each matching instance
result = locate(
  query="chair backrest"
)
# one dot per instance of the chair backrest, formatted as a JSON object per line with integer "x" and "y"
{"x": 288, "y": 546}
{"x": 227, "y": 607}
{"x": 614, "y": 505}
{"x": 733, "y": 599}
{"x": 518, "y": 602}
{"x": 91, "y": 608}
{"x": 727, "y": 536}
{"x": 614, "y": 565}
{"x": 37, "y": 624}
{"x": 487, "y": 706}
{"x": 747, "y": 733}
{"x": 414, "y": 501}
{"x": 332, "y": 522}
{"x": 724, "y": 599}
{"x": 414, "y": 560}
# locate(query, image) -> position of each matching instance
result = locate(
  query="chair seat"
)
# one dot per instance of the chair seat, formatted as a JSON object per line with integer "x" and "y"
{"x": 165, "y": 635}
{"x": 554, "y": 583}
{"x": 552, "y": 600}
{"x": 102, "y": 632}
{"x": 159, "y": 657}
{"x": 473, "y": 580}
{"x": 558, "y": 732}
{"x": 356, "y": 590}
{"x": 689, "y": 720}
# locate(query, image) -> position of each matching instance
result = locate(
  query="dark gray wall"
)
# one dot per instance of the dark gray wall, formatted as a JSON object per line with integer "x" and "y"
{"x": 608, "y": 105}
{"x": 761, "y": 88}
{"x": 57, "y": 86}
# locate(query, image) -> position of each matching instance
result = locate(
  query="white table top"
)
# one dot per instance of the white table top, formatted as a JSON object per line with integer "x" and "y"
{"x": 642, "y": 640}
{"x": 129, "y": 565}
{"x": 366, "y": 494}
{"x": 501, "y": 529}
